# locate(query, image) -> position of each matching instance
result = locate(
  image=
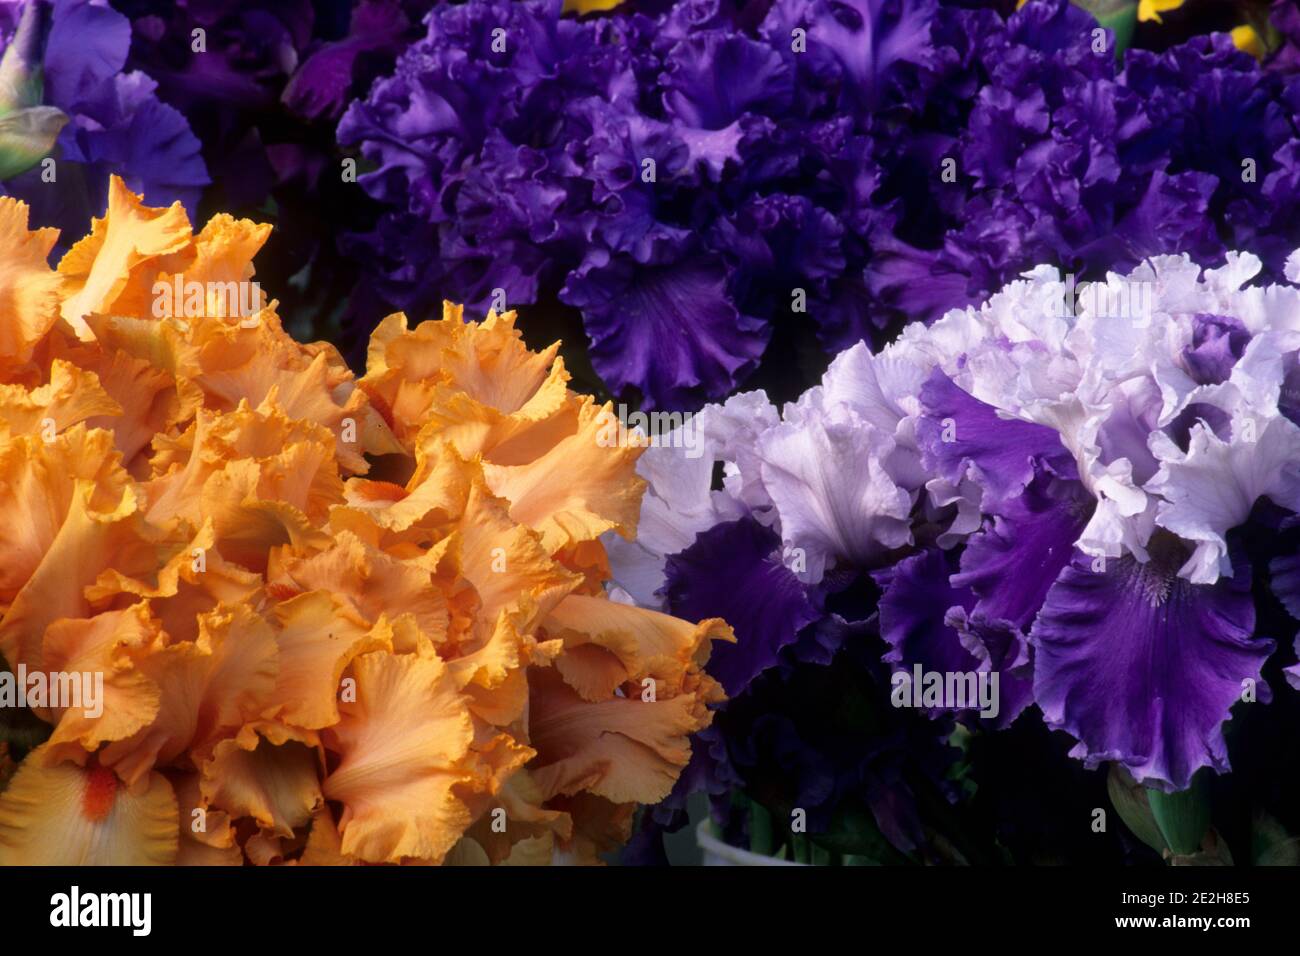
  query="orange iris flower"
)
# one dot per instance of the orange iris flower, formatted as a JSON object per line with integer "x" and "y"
{"x": 337, "y": 620}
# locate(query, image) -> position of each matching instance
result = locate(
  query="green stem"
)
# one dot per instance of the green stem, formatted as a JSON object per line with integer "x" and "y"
{"x": 760, "y": 830}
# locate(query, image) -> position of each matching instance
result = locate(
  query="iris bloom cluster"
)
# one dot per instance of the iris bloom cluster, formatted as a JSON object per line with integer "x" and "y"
{"x": 338, "y": 620}
{"x": 706, "y": 178}
{"x": 1091, "y": 492}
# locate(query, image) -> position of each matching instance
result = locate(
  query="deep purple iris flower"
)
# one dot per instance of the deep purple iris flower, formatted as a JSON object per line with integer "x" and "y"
{"x": 692, "y": 177}
{"x": 253, "y": 76}
{"x": 681, "y": 179}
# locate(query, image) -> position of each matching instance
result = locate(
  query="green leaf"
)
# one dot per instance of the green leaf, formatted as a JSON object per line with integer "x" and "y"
{"x": 1183, "y": 817}
{"x": 801, "y": 851}
{"x": 27, "y": 136}
{"x": 761, "y": 838}
{"x": 1117, "y": 16}
{"x": 853, "y": 832}
{"x": 1129, "y": 799}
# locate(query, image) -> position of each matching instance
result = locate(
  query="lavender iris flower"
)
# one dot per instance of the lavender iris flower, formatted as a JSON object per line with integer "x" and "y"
{"x": 1059, "y": 487}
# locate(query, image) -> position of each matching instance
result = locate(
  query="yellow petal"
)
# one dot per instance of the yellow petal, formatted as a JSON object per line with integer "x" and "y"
{"x": 1247, "y": 39}
{"x": 591, "y": 6}
{"x": 1151, "y": 9}
{"x": 64, "y": 815}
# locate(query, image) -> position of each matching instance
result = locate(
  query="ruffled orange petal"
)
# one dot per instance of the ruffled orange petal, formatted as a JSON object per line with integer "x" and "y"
{"x": 645, "y": 643}
{"x": 507, "y": 648}
{"x": 600, "y": 827}
{"x": 191, "y": 583}
{"x": 318, "y": 635}
{"x": 184, "y": 516}
{"x": 224, "y": 251}
{"x": 411, "y": 371}
{"x": 525, "y": 820}
{"x": 404, "y": 748}
{"x": 29, "y": 288}
{"x": 120, "y": 251}
{"x": 38, "y": 481}
{"x": 623, "y": 749}
{"x": 370, "y": 581}
{"x": 149, "y": 401}
{"x": 265, "y": 774}
{"x": 266, "y": 848}
{"x": 247, "y": 524}
{"x": 263, "y": 363}
{"x": 110, "y": 646}
{"x": 72, "y": 395}
{"x": 506, "y": 562}
{"x": 475, "y": 429}
{"x": 87, "y": 542}
{"x": 489, "y": 361}
{"x": 324, "y": 845}
{"x": 434, "y": 494}
{"x": 207, "y": 836}
{"x": 210, "y": 687}
{"x": 577, "y": 490}
{"x": 293, "y": 463}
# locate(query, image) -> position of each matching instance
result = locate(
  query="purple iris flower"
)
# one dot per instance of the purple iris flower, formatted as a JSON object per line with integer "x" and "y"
{"x": 74, "y": 53}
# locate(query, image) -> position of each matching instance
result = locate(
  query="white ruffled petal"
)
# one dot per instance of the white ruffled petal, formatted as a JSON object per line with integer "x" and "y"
{"x": 835, "y": 499}
{"x": 1211, "y": 489}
